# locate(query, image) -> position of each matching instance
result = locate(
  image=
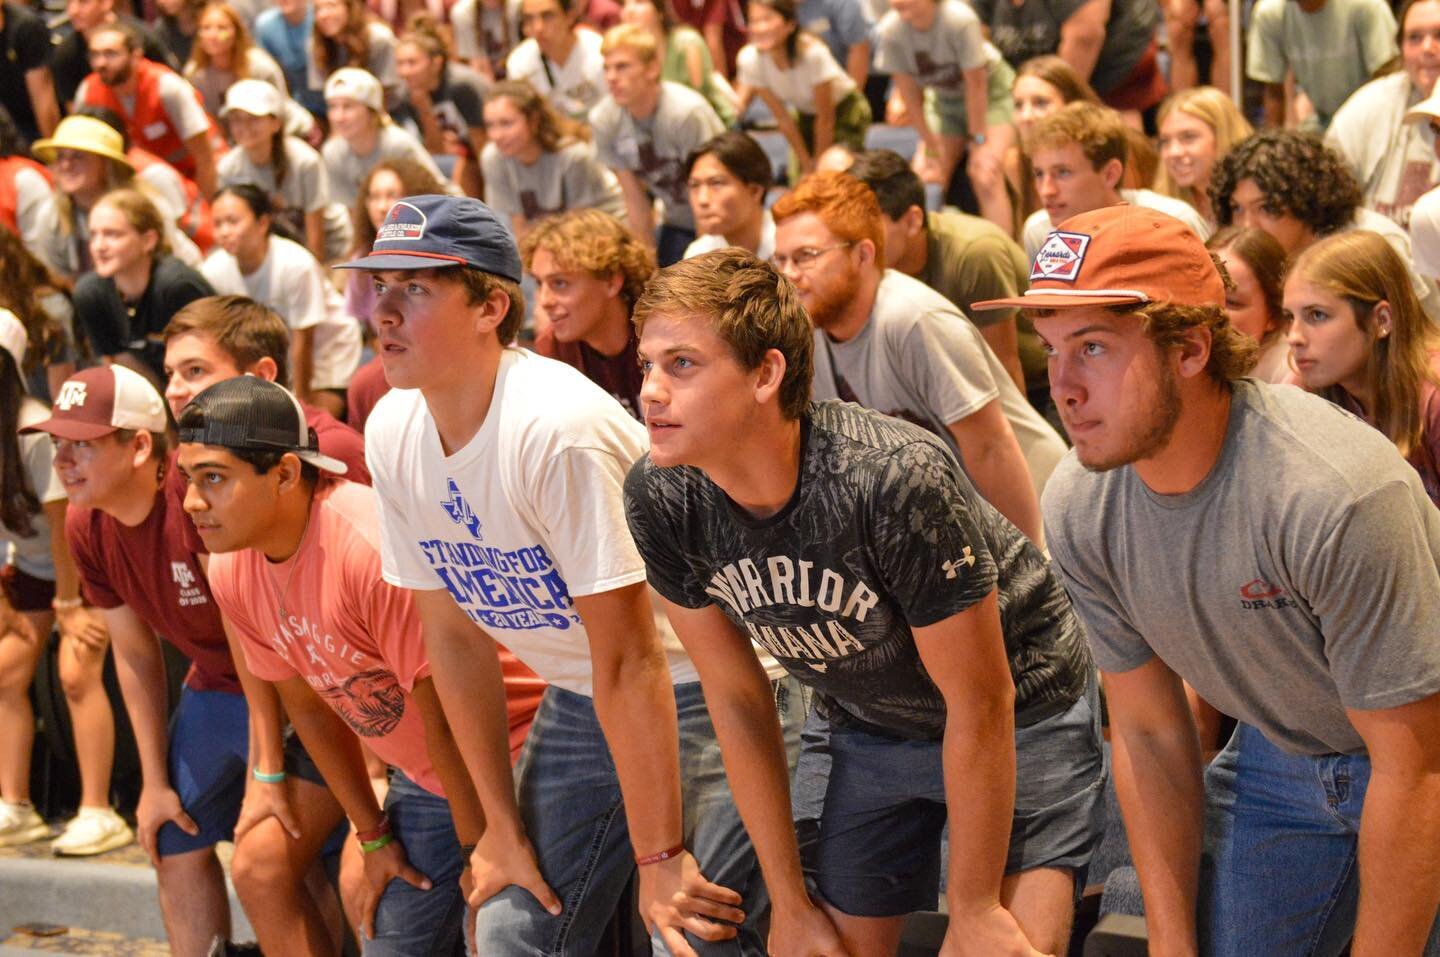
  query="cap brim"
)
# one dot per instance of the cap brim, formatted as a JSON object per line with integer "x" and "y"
{"x": 323, "y": 462}
{"x": 1422, "y": 112}
{"x": 71, "y": 429}
{"x": 1040, "y": 300}
{"x": 400, "y": 261}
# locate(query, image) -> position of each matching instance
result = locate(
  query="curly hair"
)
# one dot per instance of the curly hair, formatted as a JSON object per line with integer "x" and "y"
{"x": 1098, "y": 130}
{"x": 595, "y": 242}
{"x": 746, "y": 302}
{"x": 1295, "y": 172}
{"x": 1232, "y": 353}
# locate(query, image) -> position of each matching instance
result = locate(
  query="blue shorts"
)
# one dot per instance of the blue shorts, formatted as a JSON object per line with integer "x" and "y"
{"x": 209, "y": 758}
{"x": 881, "y": 809}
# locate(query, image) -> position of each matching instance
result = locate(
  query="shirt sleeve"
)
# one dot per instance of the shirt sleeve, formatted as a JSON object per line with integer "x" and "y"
{"x": 659, "y": 542}
{"x": 401, "y": 561}
{"x": 39, "y": 456}
{"x": 893, "y": 54}
{"x": 94, "y": 581}
{"x": 929, "y": 552}
{"x": 395, "y": 624}
{"x": 747, "y": 67}
{"x": 587, "y": 183}
{"x": 848, "y": 22}
{"x": 102, "y": 316}
{"x": 31, "y": 43}
{"x": 581, "y": 492}
{"x": 1115, "y": 642}
{"x": 184, "y": 287}
{"x": 306, "y": 292}
{"x": 1377, "y": 36}
{"x": 499, "y": 190}
{"x": 944, "y": 358}
{"x": 982, "y": 274}
{"x": 967, "y": 36}
{"x": 182, "y": 105}
{"x": 314, "y": 187}
{"x": 1266, "y": 61}
{"x": 1375, "y": 586}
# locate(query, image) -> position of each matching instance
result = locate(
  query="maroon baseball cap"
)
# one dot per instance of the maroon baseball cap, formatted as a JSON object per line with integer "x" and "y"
{"x": 93, "y": 403}
{"x": 1116, "y": 256}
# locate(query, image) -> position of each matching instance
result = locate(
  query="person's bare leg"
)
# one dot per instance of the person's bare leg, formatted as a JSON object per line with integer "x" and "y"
{"x": 867, "y": 936}
{"x": 193, "y": 901}
{"x": 271, "y": 872}
{"x": 82, "y": 671}
{"x": 1043, "y": 902}
{"x": 18, "y": 655}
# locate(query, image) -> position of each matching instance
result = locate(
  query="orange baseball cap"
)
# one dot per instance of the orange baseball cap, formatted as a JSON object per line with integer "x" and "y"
{"x": 1116, "y": 256}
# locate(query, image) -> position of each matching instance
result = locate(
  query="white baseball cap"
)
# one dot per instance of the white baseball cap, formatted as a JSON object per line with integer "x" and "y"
{"x": 255, "y": 97}
{"x": 352, "y": 83}
{"x": 13, "y": 338}
{"x": 95, "y": 402}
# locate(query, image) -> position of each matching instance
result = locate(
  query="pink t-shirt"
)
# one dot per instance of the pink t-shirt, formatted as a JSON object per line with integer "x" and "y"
{"x": 353, "y": 637}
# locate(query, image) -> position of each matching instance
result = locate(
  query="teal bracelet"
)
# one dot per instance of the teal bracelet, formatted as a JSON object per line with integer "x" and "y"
{"x": 264, "y": 778}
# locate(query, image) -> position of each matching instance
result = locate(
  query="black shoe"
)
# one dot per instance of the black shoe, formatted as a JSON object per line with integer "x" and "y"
{"x": 220, "y": 947}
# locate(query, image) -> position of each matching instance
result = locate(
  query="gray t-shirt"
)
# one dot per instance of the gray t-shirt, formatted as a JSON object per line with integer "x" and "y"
{"x": 1031, "y": 29}
{"x": 919, "y": 359}
{"x": 883, "y": 534}
{"x": 655, "y": 149}
{"x": 1333, "y": 51}
{"x": 305, "y": 190}
{"x": 935, "y": 57}
{"x": 347, "y": 169}
{"x": 569, "y": 178}
{"x": 1297, "y": 580}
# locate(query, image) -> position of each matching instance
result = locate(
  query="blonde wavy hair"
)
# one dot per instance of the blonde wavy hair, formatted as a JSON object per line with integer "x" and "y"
{"x": 1217, "y": 111}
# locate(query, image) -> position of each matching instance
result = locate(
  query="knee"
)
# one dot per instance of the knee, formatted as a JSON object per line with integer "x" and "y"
{"x": 78, "y": 676}
{"x": 261, "y": 868}
{"x": 1180, "y": 20}
{"x": 986, "y": 175}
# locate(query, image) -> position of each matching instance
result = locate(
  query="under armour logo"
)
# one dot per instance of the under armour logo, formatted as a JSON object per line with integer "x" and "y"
{"x": 72, "y": 394}
{"x": 460, "y": 511}
{"x": 180, "y": 571}
{"x": 952, "y": 566}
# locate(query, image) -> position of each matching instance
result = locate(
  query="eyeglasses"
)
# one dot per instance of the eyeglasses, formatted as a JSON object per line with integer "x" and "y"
{"x": 805, "y": 257}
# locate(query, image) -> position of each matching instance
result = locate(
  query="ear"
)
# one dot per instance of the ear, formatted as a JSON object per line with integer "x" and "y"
{"x": 264, "y": 368}
{"x": 144, "y": 444}
{"x": 150, "y": 239}
{"x": 1194, "y": 352}
{"x": 866, "y": 249}
{"x": 770, "y": 375}
{"x": 913, "y": 220}
{"x": 287, "y": 473}
{"x": 1112, "y": 172}
{"x": 614, "y": 283}
{"x": 489, "y": 314}
{"x": 1384, "y": 319}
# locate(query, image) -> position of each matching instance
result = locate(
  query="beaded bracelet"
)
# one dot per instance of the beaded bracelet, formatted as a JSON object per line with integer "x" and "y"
{"x": 381, "y": 827}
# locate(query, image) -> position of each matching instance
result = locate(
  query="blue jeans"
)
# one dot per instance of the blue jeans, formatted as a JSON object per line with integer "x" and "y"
{"x": 1282, "y": 834}
{"x": 410, "y": 922}
{"x": 570, "y": 801}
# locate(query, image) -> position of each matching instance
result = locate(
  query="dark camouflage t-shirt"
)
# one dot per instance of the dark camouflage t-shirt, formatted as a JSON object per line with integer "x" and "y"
{"x": 884, "y": 533}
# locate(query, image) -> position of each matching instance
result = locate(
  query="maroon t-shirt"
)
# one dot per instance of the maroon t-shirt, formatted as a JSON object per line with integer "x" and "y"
{"x": 618, "y": 375}
{"x": 151, "y": 569}
{"x": 367, "y": 386}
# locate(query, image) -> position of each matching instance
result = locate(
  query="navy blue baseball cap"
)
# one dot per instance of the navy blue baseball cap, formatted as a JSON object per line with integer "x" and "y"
{"x": 432, "y": 232}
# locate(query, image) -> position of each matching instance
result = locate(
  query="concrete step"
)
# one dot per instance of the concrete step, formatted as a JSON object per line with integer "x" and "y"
{"x": 111, "y": 896}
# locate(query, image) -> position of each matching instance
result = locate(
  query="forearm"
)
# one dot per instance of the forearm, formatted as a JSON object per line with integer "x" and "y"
{"x": 1157, "y": 778}
{"x": 788, "y": 127}
{"x": 1273, "y": 105}
{"x": 1081, "y": 49}
{"x": 977, "y": 102}
{"x": 638, "y": 209}
{"x": 430, "y": 132}
{"x": 471, "y": 689}
{"x": 140, "y": 668}
{"x": 824, "y": 126}
{"x": 302, "y": 361}
{"x": 315, "y": 233}
{"x": 998, "y": 469}
{"x": 336, "y": 752}
{"x": 1399, "y": 869}
{"x": 42, "y": 101}
{"x": 1003, "y": 339}
{"x": 267, "y": 717}
{"x": 204, "y": 164}
{"x": 67, "y": 577}
{"x": 914, "y": 99}
{"x": 857, "y": 64}
{"x": 635, "y": 705}
{"x": 449, "y": 766}
{"x": 979, "y": 761}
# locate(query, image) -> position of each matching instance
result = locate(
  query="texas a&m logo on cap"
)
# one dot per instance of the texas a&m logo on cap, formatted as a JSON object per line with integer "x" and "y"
{"x": 403, "y": 223}
{"x": 72, "y": 394}
{"x": 1060, "y": 257}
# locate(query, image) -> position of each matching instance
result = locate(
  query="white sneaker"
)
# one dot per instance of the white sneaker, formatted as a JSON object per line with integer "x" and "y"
{"x": 19, "y": 824}
{"x": 94, "y": 830}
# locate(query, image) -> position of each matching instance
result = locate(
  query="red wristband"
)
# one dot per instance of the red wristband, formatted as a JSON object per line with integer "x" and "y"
{"x": 664, "y": 855}
{"x": 379, "y": 831}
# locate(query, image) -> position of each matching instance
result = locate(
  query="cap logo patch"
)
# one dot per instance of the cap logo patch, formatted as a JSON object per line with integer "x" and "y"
{"x": 404, "y": 223}
{"x": 1060, "y": 256}
{"x": 72, "y": 394}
